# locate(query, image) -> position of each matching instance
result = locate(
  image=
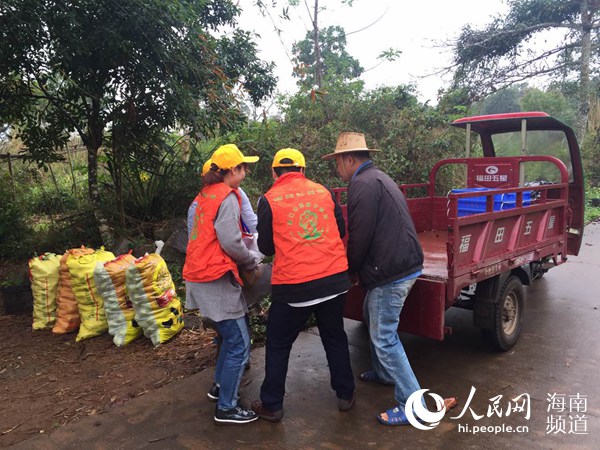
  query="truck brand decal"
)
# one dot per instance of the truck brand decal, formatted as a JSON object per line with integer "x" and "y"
{"x": 524, "y": 259}
{"x": 502, "y": 178}
{"x": 464, "y": 243}
{"x": 491, "y": 270}
{"x": 499, "y": 235}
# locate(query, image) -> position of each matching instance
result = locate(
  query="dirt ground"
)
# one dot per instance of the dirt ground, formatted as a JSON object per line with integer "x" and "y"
{"x": 48, "y": 380}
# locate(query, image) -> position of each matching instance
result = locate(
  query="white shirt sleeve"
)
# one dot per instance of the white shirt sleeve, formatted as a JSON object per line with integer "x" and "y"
{"x": 227, "y": 227}
{"x": 190, "y": 217}
{"x": 248, "y": 214}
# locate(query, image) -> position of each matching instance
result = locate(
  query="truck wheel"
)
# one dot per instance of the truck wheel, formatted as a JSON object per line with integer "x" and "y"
{"x": 508, "y": 315}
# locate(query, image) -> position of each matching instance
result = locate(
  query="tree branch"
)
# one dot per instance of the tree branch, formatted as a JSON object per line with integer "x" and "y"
{"x": 370, "y": 25}
{"x": 526, "y": 30}
{"x": 57, "y": 103}
{"x": 308, "y": 9}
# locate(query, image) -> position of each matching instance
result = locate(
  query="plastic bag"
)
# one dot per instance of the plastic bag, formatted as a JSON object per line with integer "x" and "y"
{"x": 89, "y": 301}
{"x": 44, "y": 272}
{"x": 251, "y": 276}
{"x": 151, "y": 290}
{"x": 120, "y": 315}
{"x": 67, "y": 310}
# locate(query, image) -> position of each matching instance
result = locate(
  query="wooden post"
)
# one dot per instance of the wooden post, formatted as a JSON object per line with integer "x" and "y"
{"x": 10, "y": 174}
{"x": 72, "y": 175}
{"x": 62, "y": 204}
{"x": 523, "y": 151}
{"x": 468, "y": 142}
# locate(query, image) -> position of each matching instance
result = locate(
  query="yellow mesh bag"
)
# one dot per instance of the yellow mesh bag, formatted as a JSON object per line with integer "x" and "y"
{"x": 67, "y": 310}
{"x": 90, "y": 303}
{"x": 152, "y": 292}
{"x": 110, "y": 282}
{"x": 44, "y": 275}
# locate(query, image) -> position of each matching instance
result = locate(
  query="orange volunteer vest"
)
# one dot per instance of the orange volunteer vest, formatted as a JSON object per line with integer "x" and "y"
{"x": 205, "y": 259}
{"x": 307, "y": 241}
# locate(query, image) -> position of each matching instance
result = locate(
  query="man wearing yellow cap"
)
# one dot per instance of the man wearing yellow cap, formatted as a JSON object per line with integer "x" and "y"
{"x": 215, "y": 255}
{"x": 300, "y": 222}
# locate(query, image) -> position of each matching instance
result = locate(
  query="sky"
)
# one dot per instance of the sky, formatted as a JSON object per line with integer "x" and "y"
{"x": 417, "y": 28}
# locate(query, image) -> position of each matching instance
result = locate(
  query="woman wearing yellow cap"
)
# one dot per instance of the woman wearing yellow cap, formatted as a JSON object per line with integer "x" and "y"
{"x": 249, "y": 218}
{"x": 214, "y": 253}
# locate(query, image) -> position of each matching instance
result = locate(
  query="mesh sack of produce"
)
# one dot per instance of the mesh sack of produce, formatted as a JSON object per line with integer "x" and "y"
{"x": 67, "y": 310}
{"x": 110, "y": 282}
{"x": 90, "y": 303}
{"x": 44, "y": 276}
{"x": 152, "y": 292}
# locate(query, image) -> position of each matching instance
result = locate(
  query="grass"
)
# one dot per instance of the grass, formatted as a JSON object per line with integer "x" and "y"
{"x": 591, "y": 213}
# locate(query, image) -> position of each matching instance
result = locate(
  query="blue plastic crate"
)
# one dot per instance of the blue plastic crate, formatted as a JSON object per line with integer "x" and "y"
{"x": 509, "y": 200}
{"x": 477, "y": 205}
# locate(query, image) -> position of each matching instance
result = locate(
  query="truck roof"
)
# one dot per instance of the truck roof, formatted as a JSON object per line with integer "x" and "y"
{"x": 502, "y": 123}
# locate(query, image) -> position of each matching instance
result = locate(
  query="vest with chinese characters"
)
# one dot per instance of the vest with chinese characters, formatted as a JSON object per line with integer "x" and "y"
{"x": 205, "y": 259}
{"x": 307, "y": 241}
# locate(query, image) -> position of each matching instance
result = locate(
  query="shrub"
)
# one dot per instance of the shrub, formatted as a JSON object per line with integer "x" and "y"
{"x": 14, "y": 226}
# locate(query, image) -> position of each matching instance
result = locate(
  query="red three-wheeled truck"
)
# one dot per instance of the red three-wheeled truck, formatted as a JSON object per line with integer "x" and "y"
{"x": 518, "y": 213}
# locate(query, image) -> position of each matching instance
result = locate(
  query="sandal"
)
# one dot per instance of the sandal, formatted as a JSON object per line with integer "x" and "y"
{"x": 372, "y": 377}
{"x": 393, "y": 417}
{"x": 450, "y": 403}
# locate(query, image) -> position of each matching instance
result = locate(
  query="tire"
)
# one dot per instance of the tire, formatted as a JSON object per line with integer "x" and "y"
{"x": 508, "y": 315}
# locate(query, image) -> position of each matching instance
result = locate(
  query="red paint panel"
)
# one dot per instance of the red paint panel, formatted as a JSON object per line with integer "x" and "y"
{"x": 423, "y": 312}
{"x": 434, "y": 245}
{"x": 469, "y": 242}
{"x": 498, "y": 239}
{"x": 354, "y": 303}
{"x": 529, "y": 229}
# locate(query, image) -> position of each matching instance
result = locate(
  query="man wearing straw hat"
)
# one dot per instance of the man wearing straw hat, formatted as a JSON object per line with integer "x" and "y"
{"x": 301, "y": 223}
{"x": 385, "y": 255}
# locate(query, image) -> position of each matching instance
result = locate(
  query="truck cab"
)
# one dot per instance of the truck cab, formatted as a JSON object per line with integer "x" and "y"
{"x": 528, "y": 134}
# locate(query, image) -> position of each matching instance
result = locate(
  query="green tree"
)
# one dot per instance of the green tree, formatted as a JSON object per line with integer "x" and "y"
{"x": 335, "y": 61}
{"x": 321, "y": 56}
{"x": 412, "y": 136}
{"x": 551, "y": 101}
{"x": 498, "y": 55}
{"x": 130, "y": 67}
{"x": 503, "y": 101}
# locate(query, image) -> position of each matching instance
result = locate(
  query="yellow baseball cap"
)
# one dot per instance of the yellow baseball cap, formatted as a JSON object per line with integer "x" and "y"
{"x": 206, "y": 166}
{"x": 229, "y": 156}
{"x": 288, "y": 157}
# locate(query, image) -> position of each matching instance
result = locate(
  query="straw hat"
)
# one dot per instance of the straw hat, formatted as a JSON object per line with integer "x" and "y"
{"x": 350, "y": 142}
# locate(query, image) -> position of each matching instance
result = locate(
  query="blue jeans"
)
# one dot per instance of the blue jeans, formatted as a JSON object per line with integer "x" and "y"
{"x": 381, "y": 311}
{"x": 232, "y": 359}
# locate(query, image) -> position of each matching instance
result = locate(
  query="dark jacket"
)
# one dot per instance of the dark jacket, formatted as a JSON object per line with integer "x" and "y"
{"x": 310, "y": 290}
{"x": 382, "y": 241}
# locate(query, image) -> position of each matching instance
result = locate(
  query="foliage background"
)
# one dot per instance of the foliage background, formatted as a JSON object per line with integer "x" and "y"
{"x": 151, "y": 152}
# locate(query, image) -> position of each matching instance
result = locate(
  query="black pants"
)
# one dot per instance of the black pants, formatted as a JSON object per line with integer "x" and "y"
{"x": 284, "y": 324}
